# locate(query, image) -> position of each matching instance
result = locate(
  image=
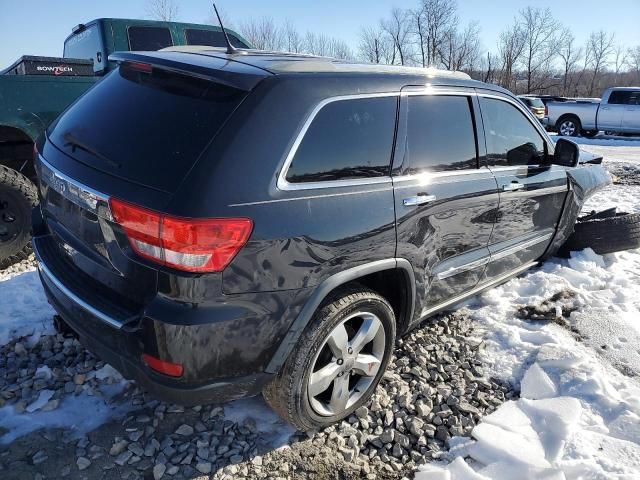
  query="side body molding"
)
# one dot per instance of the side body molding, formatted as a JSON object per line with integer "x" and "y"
{"x": 330, "y": 284}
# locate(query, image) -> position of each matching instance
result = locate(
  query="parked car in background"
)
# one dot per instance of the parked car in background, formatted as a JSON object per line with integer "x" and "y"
{"x": 34, "y": 90}
{"x": 617, "y": 112}
{"x": 215, "y": 225}
{"x": 535, "y": 105}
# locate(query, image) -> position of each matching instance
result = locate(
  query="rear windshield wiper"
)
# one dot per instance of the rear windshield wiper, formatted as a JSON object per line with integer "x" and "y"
{"x": 74, "y": 142}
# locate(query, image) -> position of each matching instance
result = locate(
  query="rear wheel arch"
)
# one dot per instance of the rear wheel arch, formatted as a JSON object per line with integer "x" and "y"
{"x": 16, "y": 150}
{"x": 391, "y": 278}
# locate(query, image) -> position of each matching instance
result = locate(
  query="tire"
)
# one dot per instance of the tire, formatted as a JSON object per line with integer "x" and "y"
{"x": 620, "y": 231}
{"x": 569, "y": 126}
{"x": 590, "y": 133}
{"x": 289, "y": 394}
{"x": 18, "y": 196}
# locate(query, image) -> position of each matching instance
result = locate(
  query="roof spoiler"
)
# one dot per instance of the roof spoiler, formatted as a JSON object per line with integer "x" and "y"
{"x": 223, "y": 71}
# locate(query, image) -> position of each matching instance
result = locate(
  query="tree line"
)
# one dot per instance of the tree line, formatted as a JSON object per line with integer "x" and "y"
{"x": 535, "y": 53}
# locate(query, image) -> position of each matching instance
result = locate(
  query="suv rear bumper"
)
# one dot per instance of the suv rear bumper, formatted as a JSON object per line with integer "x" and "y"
{"x": 122, "y": 345}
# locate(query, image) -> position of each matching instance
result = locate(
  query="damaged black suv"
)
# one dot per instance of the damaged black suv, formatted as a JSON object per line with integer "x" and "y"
{"x": 218, "y": 225}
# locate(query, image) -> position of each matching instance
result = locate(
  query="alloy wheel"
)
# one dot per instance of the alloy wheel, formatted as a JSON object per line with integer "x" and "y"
{"x": 346, "y": 364}
{"x": 567, "y": 128}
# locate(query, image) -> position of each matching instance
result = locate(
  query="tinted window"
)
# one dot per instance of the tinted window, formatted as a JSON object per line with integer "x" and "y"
{"x": 347, "y": 139}
{"x": 510, "y": 136}
{"x": 211, "y": 38}
{"x": 624, "y": 97}
{"x": 149, "y": 38}
{"x": 149, "y": 128}
{"x": 440, "y": 134}
{"x": 85, "y": 45}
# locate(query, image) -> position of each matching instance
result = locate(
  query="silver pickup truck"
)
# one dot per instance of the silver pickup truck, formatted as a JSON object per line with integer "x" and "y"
{"x": 617, "y": 112}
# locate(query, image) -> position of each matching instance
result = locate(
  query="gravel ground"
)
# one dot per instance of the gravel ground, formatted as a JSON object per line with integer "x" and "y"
{"x": 434, "y": 389}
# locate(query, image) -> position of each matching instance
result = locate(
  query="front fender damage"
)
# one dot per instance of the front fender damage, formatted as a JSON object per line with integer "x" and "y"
{"x": 584, "y": 181}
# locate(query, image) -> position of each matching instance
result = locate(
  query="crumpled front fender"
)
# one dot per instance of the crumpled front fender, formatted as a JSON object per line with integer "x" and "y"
{"x": 584, "y": 181}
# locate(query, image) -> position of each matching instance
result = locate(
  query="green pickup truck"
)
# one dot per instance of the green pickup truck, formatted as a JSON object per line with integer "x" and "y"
{"x": 35, "y": 90}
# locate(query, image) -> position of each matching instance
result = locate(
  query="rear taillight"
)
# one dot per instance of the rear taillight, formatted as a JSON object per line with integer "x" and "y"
{"x": 192, "y": 245}
{"x": 546, "y": 111}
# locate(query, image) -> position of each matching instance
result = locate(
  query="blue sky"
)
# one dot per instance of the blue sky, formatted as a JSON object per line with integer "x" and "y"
{"x": 39, "y": 27}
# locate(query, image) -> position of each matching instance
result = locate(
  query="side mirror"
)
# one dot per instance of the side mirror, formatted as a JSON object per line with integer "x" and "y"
{"x": 566, "y": 153}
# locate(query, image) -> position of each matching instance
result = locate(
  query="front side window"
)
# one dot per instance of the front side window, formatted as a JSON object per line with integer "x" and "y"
{"x": 440, "y": 134}
{"x": 347, "y": 139}
{"x": 149, "y": 38}
{"x": 511, "y": 138}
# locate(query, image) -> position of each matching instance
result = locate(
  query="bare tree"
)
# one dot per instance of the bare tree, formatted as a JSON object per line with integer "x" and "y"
{"x": 540, "y": 31}
{"x": 461, "y": 49}
{"x": 165, "y": 10}
{"x": 263, "y": 33}
{"x": 376, "y": 46}
{"x": 634, "y": 61}
{"x": 619, "y": 61}
{"x": 293, "y": 41}
{"x": 599, "y": 47}
{"x": 397, "y": 26}
{"x": 569, "y": 54}
{"x": 510, "y": 47}
{"x": 441, "y": 21}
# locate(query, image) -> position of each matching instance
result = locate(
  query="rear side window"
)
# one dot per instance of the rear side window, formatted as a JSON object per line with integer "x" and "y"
{"x": 146, "y": 128}
{"x": 149, "y": 38}
{"x": 347, "y": 139}
{"x": 211, "y": 38}
{"x": 440, "y": 134}
{"x": 511, "y": 138}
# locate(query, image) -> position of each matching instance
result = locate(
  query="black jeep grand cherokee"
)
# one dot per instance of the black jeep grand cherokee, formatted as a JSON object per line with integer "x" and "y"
{"x": 219, "y": 225}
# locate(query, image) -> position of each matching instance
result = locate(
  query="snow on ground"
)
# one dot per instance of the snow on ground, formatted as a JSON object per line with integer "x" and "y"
{"x": 24, "y": 311}
{"x": 578, "y": 416}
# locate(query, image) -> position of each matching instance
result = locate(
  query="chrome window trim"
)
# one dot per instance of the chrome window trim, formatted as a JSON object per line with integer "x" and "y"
{"x": 76, "y": 299}
{"x": 285, "y": 185}
{"x": 312, "y": 197}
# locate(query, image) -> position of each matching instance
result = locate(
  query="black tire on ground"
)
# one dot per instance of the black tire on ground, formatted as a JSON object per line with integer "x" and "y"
{"x": 18, "y": 195}
{"x": 605, "y": 235}
{"x": 287, "y": 393}
{"x": 590, "y": 133}
{"x": 569, "y": 126}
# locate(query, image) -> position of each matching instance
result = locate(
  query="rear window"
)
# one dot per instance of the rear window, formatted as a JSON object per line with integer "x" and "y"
{"x": 149, "y": 38}
{"x": 211, "y": 38}
{"x": 536, "y": 102}
{"x": 85, "y": 45}
{"x": 146, "y": 128}
{"x": 347, "y": 139}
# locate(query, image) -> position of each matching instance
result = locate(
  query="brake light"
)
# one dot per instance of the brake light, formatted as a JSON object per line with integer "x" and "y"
{"x": 546, "y": 111}
{"x": 188, "y": 244}
{"x": 139, "y": 66}
{"x": 168, "y": 368}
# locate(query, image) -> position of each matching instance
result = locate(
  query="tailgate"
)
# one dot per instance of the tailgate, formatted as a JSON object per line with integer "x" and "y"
{"x": 83, "y": 246}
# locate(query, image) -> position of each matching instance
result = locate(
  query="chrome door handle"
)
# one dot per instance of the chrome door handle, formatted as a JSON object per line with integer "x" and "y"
{"x": 512, "y": 187}
{"x": 419, "y": 199}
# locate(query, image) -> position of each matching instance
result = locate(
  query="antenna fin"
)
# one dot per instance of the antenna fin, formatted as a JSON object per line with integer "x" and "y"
{"x": 230, "y": 48}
